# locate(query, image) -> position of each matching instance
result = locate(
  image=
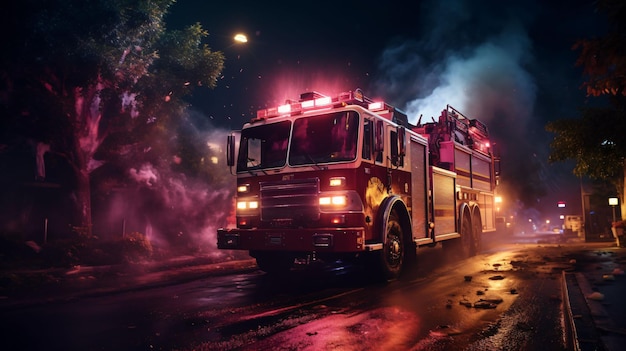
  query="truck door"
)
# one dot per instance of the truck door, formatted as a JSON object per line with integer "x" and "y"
{"x": 419, "y": 185}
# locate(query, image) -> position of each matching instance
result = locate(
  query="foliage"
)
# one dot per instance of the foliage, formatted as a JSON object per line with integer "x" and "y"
{"x": 75, "y": 250}
{"x": 596, "y": 140}
{"x": 64, "y": 252}
{"x": 136, "y": 247}
{"x": 604, "y": 59}
{"x": 108, "y": 80}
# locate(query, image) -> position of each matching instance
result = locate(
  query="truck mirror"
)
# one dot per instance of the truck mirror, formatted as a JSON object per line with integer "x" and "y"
{"x": 230, "y": 150}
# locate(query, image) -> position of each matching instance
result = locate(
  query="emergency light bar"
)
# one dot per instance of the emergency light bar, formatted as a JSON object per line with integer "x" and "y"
{"x": 313, "y": 100}
{"x": 376, "y": 106}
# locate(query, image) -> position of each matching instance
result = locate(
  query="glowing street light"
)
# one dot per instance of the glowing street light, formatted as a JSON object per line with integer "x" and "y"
{"x": 613, "y": 201}
{"x": 240, "y": 38}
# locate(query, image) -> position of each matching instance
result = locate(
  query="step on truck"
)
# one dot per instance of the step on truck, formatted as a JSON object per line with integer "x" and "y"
{"x": 349, "y": 177}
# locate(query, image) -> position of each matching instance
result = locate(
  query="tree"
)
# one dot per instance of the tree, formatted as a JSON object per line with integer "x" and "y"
{"x": 604, "y": 59}
{"x": 96, "y": 79}
{"x": 596, "y": 140}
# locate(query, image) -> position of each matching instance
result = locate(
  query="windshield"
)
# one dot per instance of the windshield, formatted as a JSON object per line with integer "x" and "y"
{"x": 324, "y": 139}
{"x": 263, "y": 146}
{"x": 315, "y": 139}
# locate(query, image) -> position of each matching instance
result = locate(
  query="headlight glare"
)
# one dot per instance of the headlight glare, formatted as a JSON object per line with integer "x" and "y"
{"x": 247, "y": 205}
{"x": 337, "y": 200}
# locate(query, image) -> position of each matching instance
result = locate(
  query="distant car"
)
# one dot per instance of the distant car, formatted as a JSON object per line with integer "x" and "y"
{"x": 557, "y": 230}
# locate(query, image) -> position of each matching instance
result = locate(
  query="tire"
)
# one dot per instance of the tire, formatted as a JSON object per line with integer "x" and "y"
{"x": 477, "y": 234}
{"x": 274, "y": 262}
{"x": 394, "y": 250}
{"x": 461, "y": 248}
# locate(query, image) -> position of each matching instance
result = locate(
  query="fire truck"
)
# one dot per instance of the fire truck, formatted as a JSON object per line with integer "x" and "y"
{"x": 347, "y": 176}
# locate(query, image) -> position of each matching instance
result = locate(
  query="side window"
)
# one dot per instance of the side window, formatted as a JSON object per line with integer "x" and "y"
{"x": 368, "y": 138}
{"x": 396, "y": 142}
{"x": 393, "y": 143}
{"x": 379, "y": 140}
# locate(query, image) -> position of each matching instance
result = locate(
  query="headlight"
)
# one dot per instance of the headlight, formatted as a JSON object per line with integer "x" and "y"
{"x": 338, "y": 200}
{"x": 247, "y": 205}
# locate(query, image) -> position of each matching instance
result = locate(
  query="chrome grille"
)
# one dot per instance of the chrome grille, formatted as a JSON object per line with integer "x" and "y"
{"x": 287, "y": 201}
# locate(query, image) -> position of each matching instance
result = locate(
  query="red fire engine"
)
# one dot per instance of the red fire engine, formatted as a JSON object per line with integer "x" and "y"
{"x": 348, "y": 176}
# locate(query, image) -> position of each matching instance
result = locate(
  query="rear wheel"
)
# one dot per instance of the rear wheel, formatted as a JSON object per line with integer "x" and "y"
{"x": 461, "y": 248}
{"x": 477, "y": 233}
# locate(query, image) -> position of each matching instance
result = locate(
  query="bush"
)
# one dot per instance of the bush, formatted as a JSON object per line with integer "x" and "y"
{"x": 132, "y": 248}
{"x": 77, "y": 250}
{"x": 64, "y": 252}
{"x": 136, "y": 247}
{"x": 16, "y": 252}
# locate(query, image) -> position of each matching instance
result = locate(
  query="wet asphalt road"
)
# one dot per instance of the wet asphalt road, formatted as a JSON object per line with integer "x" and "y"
{"x": 507, "y": 298}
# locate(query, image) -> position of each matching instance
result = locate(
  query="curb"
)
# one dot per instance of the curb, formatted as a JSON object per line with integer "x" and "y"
{"x": 588, "y": 323}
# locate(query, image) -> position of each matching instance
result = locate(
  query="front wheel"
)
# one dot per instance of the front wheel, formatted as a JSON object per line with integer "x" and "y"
{"x": 393, "y": 252}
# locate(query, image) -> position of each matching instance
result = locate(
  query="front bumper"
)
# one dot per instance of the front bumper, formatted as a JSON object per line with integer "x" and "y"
{"x": 302, "y": 240}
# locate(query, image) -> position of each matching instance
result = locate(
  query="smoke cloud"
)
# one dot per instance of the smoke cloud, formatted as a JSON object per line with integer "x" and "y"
{"x": 487, "y": 81}
{"x": 179, "y": 201}
{"x": 476, "y": 59}
{"x": 183, "y": 213}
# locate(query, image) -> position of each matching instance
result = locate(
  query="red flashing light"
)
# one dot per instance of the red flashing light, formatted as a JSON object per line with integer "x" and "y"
{"x": 376, "y": 106}
{"x": 284, "y": 108}
{"x": 314, "y": 100}
{"x": 319, "y": 102}
{"x": 323, "y": 101}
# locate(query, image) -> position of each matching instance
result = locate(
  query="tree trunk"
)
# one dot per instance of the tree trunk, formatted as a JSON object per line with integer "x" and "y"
{"x": 83, "y": 201}
{"x": 87, "y": 138}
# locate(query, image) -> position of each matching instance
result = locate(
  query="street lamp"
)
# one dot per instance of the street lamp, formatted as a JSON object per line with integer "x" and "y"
{"x": 613, "y": 201}
{"x": 498, "y": 201}
{"x": 241, "y": 38}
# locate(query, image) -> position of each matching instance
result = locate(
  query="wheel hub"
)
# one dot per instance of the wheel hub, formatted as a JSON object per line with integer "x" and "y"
{"x": 394, "y": 249}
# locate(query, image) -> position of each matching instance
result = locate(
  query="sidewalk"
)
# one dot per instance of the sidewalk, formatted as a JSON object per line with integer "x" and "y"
{"x": 44, "y": 286}
{"x": 595, "y": 298}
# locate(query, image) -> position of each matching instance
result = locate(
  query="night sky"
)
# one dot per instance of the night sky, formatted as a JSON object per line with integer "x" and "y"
{"x": 509, "y": 64}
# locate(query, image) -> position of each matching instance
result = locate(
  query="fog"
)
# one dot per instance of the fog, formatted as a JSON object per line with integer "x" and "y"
{"x": 178, "y": 211}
